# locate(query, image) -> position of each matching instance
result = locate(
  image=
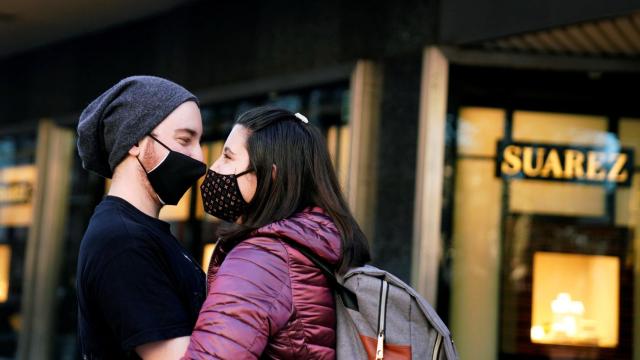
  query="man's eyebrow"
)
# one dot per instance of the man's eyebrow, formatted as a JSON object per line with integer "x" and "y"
{"x": 187, "y": 130}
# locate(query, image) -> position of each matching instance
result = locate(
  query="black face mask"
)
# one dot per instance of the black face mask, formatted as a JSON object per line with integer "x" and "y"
{"x": 174, "y": 175}
{"x": 221, "y": 195}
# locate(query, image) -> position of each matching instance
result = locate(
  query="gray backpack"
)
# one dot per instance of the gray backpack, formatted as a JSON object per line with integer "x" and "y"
{"x": 380, "y": 317}
{"x": 391, "y": 321}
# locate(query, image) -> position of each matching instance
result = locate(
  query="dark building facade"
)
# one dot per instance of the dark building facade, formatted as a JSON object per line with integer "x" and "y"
{"x": 489, "y": 150}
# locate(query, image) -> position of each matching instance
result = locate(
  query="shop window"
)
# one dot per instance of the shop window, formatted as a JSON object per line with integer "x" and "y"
{"x": 5, "y": 267}
{"x": 16, "y": 191}
{"x": 575, "y": 299}
{"x": 544, "y": 263}
{"x": 555, "y": 198}
{"x": 206, "y": 256}
{"x": 478, "y": 131}
{"x": 18, "y": 178}
{"x": 567, "y": 288}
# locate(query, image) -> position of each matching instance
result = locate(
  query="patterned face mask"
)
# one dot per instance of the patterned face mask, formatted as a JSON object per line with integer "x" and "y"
{"x": 221, "y": 195}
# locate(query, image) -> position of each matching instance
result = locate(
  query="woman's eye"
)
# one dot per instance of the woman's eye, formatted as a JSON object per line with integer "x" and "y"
{"x": 226, "y": 156}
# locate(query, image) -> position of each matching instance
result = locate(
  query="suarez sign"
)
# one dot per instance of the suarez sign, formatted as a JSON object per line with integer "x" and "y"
{"x": 590, "y": 165}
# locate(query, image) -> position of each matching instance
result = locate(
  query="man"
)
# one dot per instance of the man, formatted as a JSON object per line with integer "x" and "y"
{"x": 139, "y": 291}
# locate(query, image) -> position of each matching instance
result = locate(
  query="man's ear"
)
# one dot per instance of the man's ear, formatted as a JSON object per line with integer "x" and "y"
{"x": 274, "y": 171}
{"x": 135, "y": 150}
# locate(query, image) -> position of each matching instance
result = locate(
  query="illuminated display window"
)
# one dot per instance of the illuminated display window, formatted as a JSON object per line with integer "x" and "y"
{"x": 554, "y": 247}
{"x": 5, "y": 267}
{"x": 575, "y": 299}
{"x": 206, "y": 255}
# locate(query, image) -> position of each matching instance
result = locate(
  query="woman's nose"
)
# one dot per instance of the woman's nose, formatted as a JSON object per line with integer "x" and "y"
{"x": 215, "y": 165}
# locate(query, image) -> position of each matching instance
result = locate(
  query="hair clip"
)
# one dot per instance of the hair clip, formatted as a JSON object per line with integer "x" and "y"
{"x": 302, "y": 118}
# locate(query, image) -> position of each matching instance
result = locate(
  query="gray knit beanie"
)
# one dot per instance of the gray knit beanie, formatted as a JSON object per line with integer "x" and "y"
{"x": 122, "y": 116}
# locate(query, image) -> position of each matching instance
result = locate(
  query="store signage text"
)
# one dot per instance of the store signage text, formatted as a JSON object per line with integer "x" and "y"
{"x": 565, "y": 163}
{"x": 16, "y": 192}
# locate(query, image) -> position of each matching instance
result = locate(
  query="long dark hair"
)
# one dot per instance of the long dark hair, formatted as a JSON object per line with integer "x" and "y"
{"x": 304, "y": 177}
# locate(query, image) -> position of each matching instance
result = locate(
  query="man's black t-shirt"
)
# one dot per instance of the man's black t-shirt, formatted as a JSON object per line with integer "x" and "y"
{"x": 136, "y": 283}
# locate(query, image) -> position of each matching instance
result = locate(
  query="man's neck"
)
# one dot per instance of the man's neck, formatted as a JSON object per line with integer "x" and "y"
{"x": 136, "y": 191}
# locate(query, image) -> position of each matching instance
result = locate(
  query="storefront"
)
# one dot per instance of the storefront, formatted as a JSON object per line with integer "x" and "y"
{"x": 545, "y": 212}
{"x": 537, "y": 241}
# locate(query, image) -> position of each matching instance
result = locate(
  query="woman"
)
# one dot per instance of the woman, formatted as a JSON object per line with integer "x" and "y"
{"x": 274, "y": 184}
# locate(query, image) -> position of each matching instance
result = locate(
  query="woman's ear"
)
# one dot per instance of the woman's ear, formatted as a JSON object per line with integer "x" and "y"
{"x": 274, "y": 171}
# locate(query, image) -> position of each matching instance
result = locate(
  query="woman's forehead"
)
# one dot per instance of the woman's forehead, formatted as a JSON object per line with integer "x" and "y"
{"x": 237, "y": 140}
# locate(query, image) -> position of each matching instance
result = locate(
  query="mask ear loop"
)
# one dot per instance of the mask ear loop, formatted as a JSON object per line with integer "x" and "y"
{"x": 243, "y": 173}
{"x": 143, "y": 168}
{"x": 240, "y": 174}
{"x": 161, "y": 143}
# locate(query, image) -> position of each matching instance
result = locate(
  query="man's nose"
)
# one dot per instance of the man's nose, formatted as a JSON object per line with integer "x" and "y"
{"x": 198, "y": 155}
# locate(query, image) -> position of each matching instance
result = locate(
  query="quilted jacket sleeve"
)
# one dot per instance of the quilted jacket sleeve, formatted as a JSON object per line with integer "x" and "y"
{"x": 249, "y": 300}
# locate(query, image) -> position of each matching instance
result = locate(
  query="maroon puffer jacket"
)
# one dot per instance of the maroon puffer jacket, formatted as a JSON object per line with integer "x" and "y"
{"x": 266, "y": 299}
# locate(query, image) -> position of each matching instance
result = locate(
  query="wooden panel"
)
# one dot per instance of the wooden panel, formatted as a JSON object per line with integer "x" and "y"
{"x": 563, "y": 37}
{"x": 427, "y": 246}
{"x": 582, "y": 39}
{"x": 551, "y": 42}
{"x": 517, "y": 43}
{"x": 45, "y": 246}
{"x": 630, "y": 32}
{"x": 357, "y": 144}
{"x": 476, "y": 264}
{"x": 535, "y": 42}
{"x": 596, "y": 35}
{"x": 616, "y": 37}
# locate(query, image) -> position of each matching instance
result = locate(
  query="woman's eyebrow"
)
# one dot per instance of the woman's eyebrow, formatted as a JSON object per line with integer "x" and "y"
{"x": 226, "y": 149}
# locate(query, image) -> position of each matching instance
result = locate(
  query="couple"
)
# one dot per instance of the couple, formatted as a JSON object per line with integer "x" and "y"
{"x": 141, "y": 294}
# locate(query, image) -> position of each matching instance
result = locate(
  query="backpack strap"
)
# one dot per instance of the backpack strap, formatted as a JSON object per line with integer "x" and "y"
{"x": 382, "y": 318}
{"x": 348, "y": 297}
